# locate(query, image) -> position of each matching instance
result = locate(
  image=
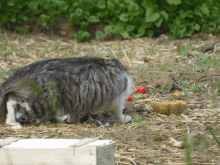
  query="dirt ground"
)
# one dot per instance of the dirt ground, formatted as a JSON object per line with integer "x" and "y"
{"x": 189, "y": 66}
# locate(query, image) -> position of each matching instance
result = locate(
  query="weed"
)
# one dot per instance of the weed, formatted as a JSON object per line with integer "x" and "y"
{"x": 218, "y": 87}
{"x": 166, "y": 46}
{"x": 160, "y": 56}
{"x": 81, "y": 35}
{"x": 134, "y": 99}
{"x": 189, "y": 44}
{"x": 71, "y": 53}
{"x": 100, "y": 55}
{"x": 162, "y": 67}
{"x": 186, "y": 92}
{"x": 212, "y": 133}
{"x": 22, "y": 29}
{"x": 164, "y": 89}
{"x": 141, "y": 70}
{"x": 214, "y": 104}
{"x": 111, "y": 55}
{"x": 188, "y": 144}
{"x": 117, "y": 124}
{"x": 59, "y": 121}
{"x": 152, "y": 52}
{"x": 60, "y": 134}
{"x": 5, "y": 73}
{"x": 165, "y": 136}
{"x": 186, "y": 84}
{"x": 138, "y": 119}
{"x": 154, "y": 133}
{"x": 44, "y": 123}
{"x": 93, "y": 42}
{"x": 196, "y": 89}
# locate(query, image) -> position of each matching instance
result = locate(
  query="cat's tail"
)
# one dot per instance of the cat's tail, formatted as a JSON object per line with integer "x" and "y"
{"x": 2, "y": 105}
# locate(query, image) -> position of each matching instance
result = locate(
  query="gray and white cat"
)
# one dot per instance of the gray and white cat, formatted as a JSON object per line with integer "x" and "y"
{"x": 47, "y": 88}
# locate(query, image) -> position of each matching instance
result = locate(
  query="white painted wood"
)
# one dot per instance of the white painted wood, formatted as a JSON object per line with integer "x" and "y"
{"x": 58, "y": 152}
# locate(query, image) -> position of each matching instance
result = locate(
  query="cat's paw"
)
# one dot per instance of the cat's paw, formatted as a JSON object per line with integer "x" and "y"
{"x": 15, "y": 125}
{"x": 126, "y": 119}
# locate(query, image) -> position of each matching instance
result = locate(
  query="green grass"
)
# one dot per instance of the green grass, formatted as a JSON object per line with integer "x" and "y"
{"x": 211, "y": 132}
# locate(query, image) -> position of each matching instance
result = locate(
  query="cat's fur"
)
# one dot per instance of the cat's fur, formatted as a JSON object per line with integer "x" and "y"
{"x": 47, "y": 88}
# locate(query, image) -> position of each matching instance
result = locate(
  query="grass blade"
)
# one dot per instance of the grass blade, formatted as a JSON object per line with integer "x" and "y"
{"x": 212, "y": 133}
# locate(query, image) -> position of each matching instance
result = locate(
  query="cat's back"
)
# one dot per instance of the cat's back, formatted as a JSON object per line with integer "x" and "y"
{"x": 78, "y": 64}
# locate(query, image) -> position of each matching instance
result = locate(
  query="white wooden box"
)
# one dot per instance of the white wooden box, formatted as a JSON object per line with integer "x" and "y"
{"x": 58, "y": 152}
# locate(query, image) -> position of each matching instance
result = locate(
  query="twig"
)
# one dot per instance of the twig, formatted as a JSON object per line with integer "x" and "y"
{"x": 126, "y": 158}
{"x": 127, "y": 58}
{"x": 121, "y": 162}
{"x": 113, "y": 52}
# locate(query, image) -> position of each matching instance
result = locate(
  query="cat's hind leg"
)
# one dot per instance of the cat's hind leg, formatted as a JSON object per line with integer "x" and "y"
{"x": 10, "y": 117}
{"x": 73, "y": 118}
{"x": 116, "y": 109}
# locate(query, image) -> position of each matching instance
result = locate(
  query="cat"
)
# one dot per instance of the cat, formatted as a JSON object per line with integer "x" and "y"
{"x": 52, "y": 87}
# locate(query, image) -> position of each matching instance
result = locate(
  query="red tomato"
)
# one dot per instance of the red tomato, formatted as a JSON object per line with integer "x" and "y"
{"x": 129, "y": 98}
{"x": 141, "y": 89}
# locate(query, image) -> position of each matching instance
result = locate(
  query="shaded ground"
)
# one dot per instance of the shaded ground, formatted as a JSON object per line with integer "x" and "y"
{"x": 190, "y": 66}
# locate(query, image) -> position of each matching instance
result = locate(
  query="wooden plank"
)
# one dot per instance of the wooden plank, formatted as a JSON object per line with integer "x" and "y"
{"x": 57, "y": 151}
{"x": 84, "y": 142}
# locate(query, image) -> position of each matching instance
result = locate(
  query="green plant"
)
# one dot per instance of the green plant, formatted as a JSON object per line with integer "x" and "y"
{"x": 22, "y": 29}
{"x": 212, "y": 133}
{"x": 214, "y": 104}
{"x": 196, "y": 89}
{"x": 44, "y": 123}
{"x": 59, "y": 121}
{"x": 117, "y": 124}
{"x": 107, "y": 30}
{"x": 186, "y": 92}
{"x": 60, "y": 134}
{"x": 5, "y": 73}
{"x": 138, "y": 119}
{"x": 81, "y": 35}
{"x": 218, "y": 87}
{"x": 154, "y": 133}
{"x": 188, "y": 144}
{"x": 42, "y": 11}
{"x": 123, "y": 18}
{"x": 142, "y": 71}
{"x": 134, "y": 99}
{"x": 164, "y": 89}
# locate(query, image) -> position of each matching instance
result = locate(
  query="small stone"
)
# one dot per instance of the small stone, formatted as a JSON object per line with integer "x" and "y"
{"x": 172, "y": 116}
{"x": 201, "y": 133}
{"x": 146, "y": 59}
{"x": 156, "y": 161}
{"x": 157, "y": 138}
{"x": 203, "y": 107}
